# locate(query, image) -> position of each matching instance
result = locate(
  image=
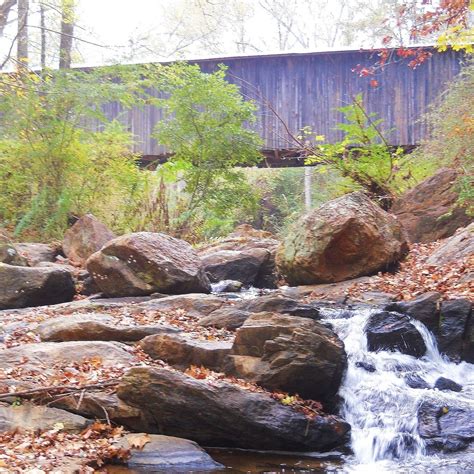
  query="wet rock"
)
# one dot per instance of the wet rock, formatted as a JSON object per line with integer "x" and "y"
{"x": 424, "y": 308}
{"x": 233, "y": 264}
{"x": 227, "y": 286}
{"x": 24, "y": 286}
{"x": 296, "y": 355}
{"x": 429, "y": 211}
{"x": 455, "y": 248}
{"x": 345, "y": 238}
{"x": 394, "y": 332}
{"x": 454, "y": 337}
{"x": 225, "y": 415}
{"x": 246, "y": 240}
{"x": 36, "y": 254}
{"x": 415, "y": 381}
{"x": 95, "y": 327}
{"x": 447, "y": 385}
{"x": 230, "y": 318}
{"x": 444, "y": 427}
{"x": 280, "y": 304}
{"x": 366, "y": 366}
{"x": 168, "y": 454}
{"x": 85, "y": 237}
{"x": 144, "y": 263}
{"x": 31, "y": 417}
{"x": 182, "y": 351}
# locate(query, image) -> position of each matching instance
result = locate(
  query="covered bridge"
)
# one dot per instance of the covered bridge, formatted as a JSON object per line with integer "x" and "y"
{"x": 305, "y": 89}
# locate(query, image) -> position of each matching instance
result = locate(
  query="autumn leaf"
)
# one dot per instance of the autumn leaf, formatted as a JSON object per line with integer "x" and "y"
{"x": 138, "y": 441}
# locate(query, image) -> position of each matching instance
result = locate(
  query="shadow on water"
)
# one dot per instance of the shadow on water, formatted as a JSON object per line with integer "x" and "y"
{"x": 241, "y": 461}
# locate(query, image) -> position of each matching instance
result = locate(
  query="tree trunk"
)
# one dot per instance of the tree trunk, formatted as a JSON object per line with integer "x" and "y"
{"x": 67, "y": 33}
{"x": 22, "y": 37}
{"x": 5, "y": 8}
{"x": 43, "y": 35}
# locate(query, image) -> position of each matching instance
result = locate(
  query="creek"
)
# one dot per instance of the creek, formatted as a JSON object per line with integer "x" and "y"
{"x": 380, "y": 407}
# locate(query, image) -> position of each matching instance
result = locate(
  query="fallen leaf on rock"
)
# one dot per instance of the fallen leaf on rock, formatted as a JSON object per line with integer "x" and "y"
{"x": 138, "y": 441}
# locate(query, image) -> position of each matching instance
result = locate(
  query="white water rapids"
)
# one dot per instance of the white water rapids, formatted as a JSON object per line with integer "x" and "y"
{"x": 382, "y": 409}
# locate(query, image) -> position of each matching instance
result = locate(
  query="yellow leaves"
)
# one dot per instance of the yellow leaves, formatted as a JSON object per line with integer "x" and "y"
{"x": 320, "y": 138}
{"x": 138, "y": 441}
{"x": 445, "y": 410}
{"x": 288, "y": 400}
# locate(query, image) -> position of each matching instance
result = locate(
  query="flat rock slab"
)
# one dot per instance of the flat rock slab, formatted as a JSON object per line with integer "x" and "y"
{"x": 167, "y": 454}
{"x": 47, "y": 354}
{"x": 193, "y": 304}
{"x": 225, "y": 415}
{"x": 31, "y": 417}
{"x": 95, "y": 327}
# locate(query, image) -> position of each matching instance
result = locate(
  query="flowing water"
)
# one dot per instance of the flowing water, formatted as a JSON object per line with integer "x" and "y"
{"x": 381, "y": 409}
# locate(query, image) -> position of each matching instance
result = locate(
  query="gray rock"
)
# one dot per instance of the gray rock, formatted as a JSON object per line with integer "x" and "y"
{"x": 36, "y": 253}
{"x": 168, "y": 454}
{"x": 31, "y": 417}
{"x": 394, "y": 332}
{"x": 24, "y": 286}
{"x": 144, "y": 263}
{"x": 95, "y": 327}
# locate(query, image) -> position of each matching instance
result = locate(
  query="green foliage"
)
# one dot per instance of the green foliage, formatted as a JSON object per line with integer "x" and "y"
{"x": 51, "y": 164}
{"x": 365, "y": 156}
{"x": 451, "y": 142}
{"x": 204, "y": 128}
{"x": 59, "y": 155}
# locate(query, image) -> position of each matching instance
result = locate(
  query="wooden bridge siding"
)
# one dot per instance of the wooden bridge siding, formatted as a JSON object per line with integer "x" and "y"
{"x": 306, "y": 89}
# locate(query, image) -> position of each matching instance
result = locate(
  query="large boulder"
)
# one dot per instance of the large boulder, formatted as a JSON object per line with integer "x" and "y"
{"x": 144, "y": 263}
{"x": 297, "y": 355}
{"x": 36, "y": 254}
{"x": 225, "y": 415}
{"x": 24, "y": 286}
{"x": 429, "y": 211}
{"x": 246, "y": 255}
{"x": 242, "y": 266}
{"x": 95, "y": 327}
{"x": 394, "y": 332}
{"x": 85, "y": 237}
{"x": 454, "y": 249}
{"x": 345, "y": 238}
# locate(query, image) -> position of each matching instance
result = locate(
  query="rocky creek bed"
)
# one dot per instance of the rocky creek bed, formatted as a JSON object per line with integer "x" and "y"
{"x": 139, "y": 352}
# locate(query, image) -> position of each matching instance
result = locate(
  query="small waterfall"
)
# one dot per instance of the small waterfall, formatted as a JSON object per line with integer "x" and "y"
{"x": 380, "y": 406}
